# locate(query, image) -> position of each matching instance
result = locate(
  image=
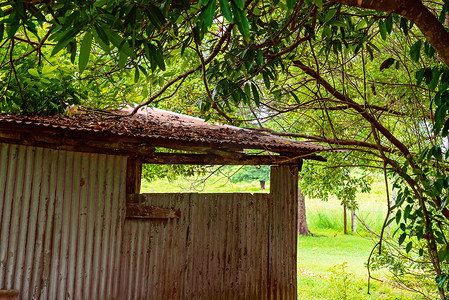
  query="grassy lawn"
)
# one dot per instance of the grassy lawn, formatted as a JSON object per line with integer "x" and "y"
{"x": 333, "y": 266}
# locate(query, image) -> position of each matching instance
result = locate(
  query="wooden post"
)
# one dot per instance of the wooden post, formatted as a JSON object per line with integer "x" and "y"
{"x": 345, "y": 221}
{"x": 283, "y": 222}
{"x": 133, "y": 175}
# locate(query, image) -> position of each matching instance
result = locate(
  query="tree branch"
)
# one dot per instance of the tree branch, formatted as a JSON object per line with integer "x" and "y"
{"x": 415, "y": 11}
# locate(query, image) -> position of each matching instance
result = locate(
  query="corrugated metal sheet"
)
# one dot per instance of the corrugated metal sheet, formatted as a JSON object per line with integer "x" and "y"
{"x": 60, "y": 228}
{"x": 218, "y": 249}
{"x": 63, "y": 234}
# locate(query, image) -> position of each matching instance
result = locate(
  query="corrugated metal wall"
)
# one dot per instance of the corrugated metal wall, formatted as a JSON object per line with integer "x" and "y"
{"x": 63, "y": 234}
{"x": 216, "y": 250}
{"x": 60, "y": 227}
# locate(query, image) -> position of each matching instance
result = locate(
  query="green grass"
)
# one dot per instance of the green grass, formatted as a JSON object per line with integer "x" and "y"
{"x": 372, "y": 210}
{"x": 215, "y": 184}
{"x": 327, "y": 248}
{"x": 321, "y": 274}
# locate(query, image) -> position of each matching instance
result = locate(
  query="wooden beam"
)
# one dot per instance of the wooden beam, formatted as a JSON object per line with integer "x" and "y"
{"x": 142, "y": 211}
{"x": 103, "y": 142}
{"x": 133, "y": 175}
{"x": 9, "y": 294}
{"x": 64, "y": 136}
{"x": 211, "y": 159}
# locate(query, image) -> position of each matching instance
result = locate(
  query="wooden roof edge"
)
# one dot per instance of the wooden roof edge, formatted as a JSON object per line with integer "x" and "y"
{"x": 99, "y": 142}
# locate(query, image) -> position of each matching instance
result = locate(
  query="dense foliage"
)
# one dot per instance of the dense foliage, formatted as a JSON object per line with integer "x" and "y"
{"x": 252, "y": 173}
{"x": 373, "y": 83}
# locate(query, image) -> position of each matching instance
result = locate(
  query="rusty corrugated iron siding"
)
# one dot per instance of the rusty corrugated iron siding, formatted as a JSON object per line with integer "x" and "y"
{"x": 63, "y": 234}
{"x": 60, "y": 227}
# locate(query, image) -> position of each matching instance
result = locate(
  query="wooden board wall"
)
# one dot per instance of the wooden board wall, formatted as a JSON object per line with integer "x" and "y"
{"x": 283, "y": 232}
{"x": 217, "y": 249}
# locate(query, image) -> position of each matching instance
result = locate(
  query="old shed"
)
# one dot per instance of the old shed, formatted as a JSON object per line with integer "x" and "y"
{"x": 74, "y": 225}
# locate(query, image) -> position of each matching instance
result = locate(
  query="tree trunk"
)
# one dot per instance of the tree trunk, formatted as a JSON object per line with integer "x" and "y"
{"x": 353, "y": 221}
{"x": 303, "y": 229}
{"x": 262, "y": 184}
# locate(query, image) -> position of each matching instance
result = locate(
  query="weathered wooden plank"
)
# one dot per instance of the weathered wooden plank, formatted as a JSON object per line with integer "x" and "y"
{"x": 133, "y": 175}
{"x": 282, "y": 232}
{"x": 9, "y": 294}
{"x": 214, "y": 159}
{"x": 142, "y": 211}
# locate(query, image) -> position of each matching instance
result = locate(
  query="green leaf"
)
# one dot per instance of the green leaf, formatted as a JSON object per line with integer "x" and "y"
{"x": 443, "y": 253}
{"x": 295, "y": 97}
{"x": 239, "y": 3}
{"x": 259, "y": 58}
{"x": 86, "y": 46}
{"x": 2, "y": 30}
{"x": 409, "y": 247}
{"x": 428, "y": 50}
{"x": 402, "y": 238}
{"x": 440, "y": 115}
{"x": 101, "y": 38}
{"x": 291, "y": 4}
{"x": 247, "y": 89}
{"x": 435, "y": 79}
{"x": 226, "y": 10}
{"x": 266, "y": 80}
{"x": 71, "y": 48}
{"x": 389, "y": 222}
{"x": 383, "y": 30}
{"x": 387, "y": 63}
{"x": 419, "y": 75}
{"x": 65, "y": 38}
{"x": 11, "y": 29}
{"x": 242, "y": 21}
{"x": 100, "y": 3}
{"x": 122, "y": 60}
{"x": 415, "y": 51}
{"x": 389, "y": 24}
{"x": 404, "y": 25}
{"x": 207, "y": 15}
{"x": 398, "y": 216}
{"x": 407, "y": 211}
{"x": 155, "y": 15}
{"x": 136, "y": 74}
{"x": 155, "y": 56}
{"x": 329, "y": 15}
{"x": 34, "y": 72}
{"x": 318, "y": 3}
{"x": 185, "y": 44}
{"x": 255, "y": 94}
{"x": 119, "y": 42}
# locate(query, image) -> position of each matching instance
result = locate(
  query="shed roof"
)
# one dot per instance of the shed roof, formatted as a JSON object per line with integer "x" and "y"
{"x": 148, "y": 128}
